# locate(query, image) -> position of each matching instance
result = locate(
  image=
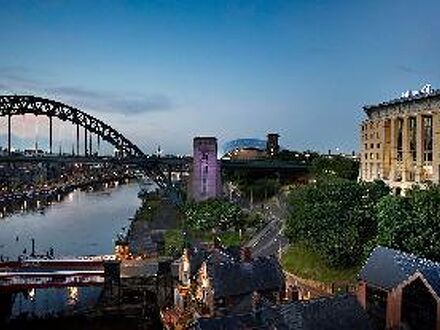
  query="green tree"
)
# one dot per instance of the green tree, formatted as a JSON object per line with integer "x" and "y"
{"x": 335, "y": 166}
{"x": 262, "y": 188}
{"x": 411, "y": 223}
{"x": 335, "y": 218}
{"x": 212, "y": 214}
{"x": 297, "y": 156}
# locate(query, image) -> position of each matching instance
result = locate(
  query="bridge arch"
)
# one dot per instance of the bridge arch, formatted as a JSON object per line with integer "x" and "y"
{"x": 11, "y": 105}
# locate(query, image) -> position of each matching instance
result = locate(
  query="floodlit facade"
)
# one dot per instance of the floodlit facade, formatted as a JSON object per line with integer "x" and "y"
{"x": 400, "y": 140}
{"x": 205, "y": 175}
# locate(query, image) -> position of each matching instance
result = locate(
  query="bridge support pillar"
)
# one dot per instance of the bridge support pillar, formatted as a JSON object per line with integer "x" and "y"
{"x": 85, "y": 141}
{"x": 77, "y": 139}
{"x": 90, "y": 144}
{"x": 50, "y": 135}
{"x": 112, "y": 280}
{"x": 98, "y": 145}
{"x": 9, "y": 134}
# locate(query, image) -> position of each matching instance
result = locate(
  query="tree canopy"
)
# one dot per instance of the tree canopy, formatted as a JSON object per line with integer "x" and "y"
{"x": 212, "y": 214}
{"x": 411, "y": 223}
{"x": 335, "y": 166}
{"x": 335, "y": 218}
{"x": 343, "y": 220}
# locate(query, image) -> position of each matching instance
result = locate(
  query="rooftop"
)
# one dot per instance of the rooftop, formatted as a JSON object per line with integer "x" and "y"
{"x": 387, "y": 268}
{"x": 246, "y": 143}
{"x": 337, "y": 313}
{"x": 407, "y": 97}
{"x": 237, "y": 278}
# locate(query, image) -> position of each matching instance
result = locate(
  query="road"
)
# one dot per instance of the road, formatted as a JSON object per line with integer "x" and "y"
{"x": 270, "y": 240}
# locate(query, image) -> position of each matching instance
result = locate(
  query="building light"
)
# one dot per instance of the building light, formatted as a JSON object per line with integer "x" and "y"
{"x": 72, "y": 295}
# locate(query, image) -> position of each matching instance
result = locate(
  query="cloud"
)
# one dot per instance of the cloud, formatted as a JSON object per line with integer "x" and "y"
{"x": 113, "y": 102}
{"x": 13, "y": 76}
{"x": 76, "y": 92}
{"x": 15, "y": 79}
{"x": 153, "y": 103}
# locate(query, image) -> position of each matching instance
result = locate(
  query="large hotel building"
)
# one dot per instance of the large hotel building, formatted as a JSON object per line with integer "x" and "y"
{"x": 401, "y": 140}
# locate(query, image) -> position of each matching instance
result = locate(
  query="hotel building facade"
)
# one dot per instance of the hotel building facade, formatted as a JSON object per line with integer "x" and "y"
{"x": 400, "y": 140}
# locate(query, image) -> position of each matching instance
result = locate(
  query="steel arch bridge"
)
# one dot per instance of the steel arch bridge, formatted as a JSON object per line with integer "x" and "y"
{"x": 11, "y": 105}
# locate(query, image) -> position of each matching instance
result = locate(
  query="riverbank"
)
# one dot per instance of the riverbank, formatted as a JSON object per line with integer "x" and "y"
{"x": 148, "y": 230}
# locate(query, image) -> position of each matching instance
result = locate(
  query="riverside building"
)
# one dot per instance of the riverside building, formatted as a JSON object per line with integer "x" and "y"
{"x": 400, "y": 140}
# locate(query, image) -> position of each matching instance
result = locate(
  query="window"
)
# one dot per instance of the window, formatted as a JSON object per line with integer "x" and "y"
{"x": 400, "y": 139}
{"x": 413, "y": 137}
{"x": 427, "y": 138}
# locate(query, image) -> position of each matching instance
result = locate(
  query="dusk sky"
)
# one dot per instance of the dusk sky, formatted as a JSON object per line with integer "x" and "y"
{"x": 162, "y": 72}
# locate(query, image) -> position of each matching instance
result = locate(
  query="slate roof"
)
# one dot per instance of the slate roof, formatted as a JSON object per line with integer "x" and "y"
{"x": 338, "y": 313}
{"x": 139, "y": 268}
{"x": 237, "y": 278}
{"x": 198, "y": 254}
{"x": 219, "y": 256}
{"x": 387, "y": 268}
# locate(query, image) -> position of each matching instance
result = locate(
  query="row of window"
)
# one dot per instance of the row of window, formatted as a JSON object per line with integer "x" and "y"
{"x": 427, "y": 155}
{"x": 371, "y": 146}
{"x": 372, "y": 125}
{"x": 371, "y": 155}
{"x": 371, "y": 136}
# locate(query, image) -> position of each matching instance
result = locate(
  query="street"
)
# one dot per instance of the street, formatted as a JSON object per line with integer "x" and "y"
{"x": 270, "y": 240}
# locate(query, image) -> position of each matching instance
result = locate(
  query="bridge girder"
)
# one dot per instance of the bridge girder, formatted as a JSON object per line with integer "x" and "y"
{"x": 12, "y": 105}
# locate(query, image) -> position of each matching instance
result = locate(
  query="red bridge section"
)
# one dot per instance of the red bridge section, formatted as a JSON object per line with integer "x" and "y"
{"x": 46, "y": 273}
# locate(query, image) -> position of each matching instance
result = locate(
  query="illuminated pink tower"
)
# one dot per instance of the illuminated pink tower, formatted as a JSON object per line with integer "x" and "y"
{"x": 205, "y": 176}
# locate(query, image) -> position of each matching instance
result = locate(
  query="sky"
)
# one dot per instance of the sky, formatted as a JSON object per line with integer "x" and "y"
{"x": 162, "y": 72}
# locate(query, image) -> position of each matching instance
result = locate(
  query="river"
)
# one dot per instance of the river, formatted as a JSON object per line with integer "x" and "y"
{"x": 84, "y": 223}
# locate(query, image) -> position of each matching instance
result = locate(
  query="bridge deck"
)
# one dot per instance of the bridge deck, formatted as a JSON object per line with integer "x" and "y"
{"x": 40, "y": 273}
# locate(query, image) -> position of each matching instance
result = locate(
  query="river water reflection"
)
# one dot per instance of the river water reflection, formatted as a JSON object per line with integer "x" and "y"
{"x": 84, "y": 223}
